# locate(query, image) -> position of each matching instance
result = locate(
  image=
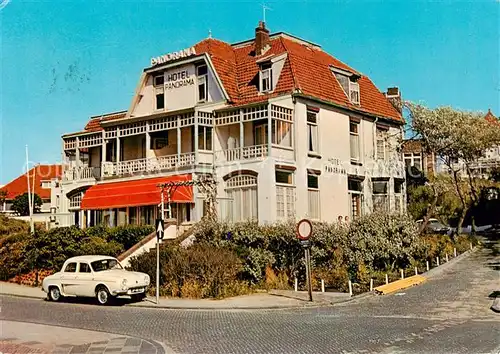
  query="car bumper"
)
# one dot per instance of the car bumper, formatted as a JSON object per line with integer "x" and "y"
{"x": 131, "y": 291}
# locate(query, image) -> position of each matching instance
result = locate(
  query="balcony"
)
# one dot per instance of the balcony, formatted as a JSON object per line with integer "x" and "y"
{"x": 151, "y": 164}
{"x": 387, "y": 168}
{"x": 82, "y": 173}
{"x": 245, "y": 153}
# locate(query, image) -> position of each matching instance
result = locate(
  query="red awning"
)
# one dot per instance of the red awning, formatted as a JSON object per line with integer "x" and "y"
{"x": 139, "y": 192}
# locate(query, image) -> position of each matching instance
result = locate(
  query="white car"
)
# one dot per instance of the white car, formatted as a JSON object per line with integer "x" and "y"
{"x": 101, "y": 277}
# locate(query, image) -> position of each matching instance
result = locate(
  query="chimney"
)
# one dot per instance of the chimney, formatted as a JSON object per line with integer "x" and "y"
{"x": 394, "y": 96}
{"x": 261, "y": 39}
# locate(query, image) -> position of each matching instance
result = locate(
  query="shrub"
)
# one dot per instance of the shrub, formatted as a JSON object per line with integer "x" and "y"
{"x": 200, "y": 271}
{"x": 128, "y": 235}
{"x": 9, "y": 226}
{"x": 99, "y": 246}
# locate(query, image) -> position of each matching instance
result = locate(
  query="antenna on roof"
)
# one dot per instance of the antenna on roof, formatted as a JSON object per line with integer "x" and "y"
{"x": 264, "y": 8}
{"x": 209, "y": 33}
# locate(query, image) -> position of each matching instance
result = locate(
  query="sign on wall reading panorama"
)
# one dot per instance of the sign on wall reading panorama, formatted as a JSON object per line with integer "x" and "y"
{"x": 172, "y": 56}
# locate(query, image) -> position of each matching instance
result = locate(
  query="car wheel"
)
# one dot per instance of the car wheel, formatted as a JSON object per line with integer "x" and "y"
{"x": 103, "y": 296}
{"x": 138, "y": 297}
{"x": 54, "y": 294}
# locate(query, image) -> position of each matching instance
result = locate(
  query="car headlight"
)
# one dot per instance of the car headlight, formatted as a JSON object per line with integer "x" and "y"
{"x": 124, "y": 284}
{"x": 146, "y": 279}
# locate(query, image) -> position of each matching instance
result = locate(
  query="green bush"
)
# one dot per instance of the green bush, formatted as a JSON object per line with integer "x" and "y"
{"x": 9, "y": 226}
{"x": 200, "y": 271}
{"x": 99, "y": 246}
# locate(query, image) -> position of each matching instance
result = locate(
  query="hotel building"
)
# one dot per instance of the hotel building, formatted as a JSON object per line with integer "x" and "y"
{"x": 286, "y": 130}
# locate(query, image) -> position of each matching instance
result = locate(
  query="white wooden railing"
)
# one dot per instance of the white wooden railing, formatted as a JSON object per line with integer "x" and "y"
{"x": 244, "y": 153}
{"x": 78, "y": 173}
{"x": 153, "y": 164}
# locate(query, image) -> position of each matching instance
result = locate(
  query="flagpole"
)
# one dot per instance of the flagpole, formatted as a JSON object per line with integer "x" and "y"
{"x": 32, "y": 226}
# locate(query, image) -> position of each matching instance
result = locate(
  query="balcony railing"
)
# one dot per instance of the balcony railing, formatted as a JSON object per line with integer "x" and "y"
{"x": 79, "y": 173}
{"x": 150, "y": 164}
{"x": 243, "y": 153}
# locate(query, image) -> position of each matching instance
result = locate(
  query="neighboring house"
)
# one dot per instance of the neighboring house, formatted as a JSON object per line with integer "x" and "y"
{"x": 484, "y": 165}
{"x": 43, "y": 175}
{"x": 414, "y": 155}
{"x": 287, "y": 130}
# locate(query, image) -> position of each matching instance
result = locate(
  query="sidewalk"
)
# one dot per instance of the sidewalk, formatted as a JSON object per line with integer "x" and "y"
{"x": 21, "y": 337}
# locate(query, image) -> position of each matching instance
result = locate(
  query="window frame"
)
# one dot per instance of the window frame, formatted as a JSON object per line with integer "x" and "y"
{"x": 313, "y": 191}
{"x": 381, "y": 135}
{"x": 313, "y": 144}
{"x": 202, "y": 133}
{"x": 155, "y": 84}
{"x": 356, "y": 135}
{"x": 80, "y": 267}
{"x": 157, "y": 94}
{"x": 202, "y": 79}
{"x": 386, "y": 194}
{"x": 355, "y": 193}
{"x": 266, "y": 69}
{"x": 237, "y": 189}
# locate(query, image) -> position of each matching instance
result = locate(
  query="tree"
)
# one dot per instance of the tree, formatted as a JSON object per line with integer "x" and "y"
{"x": 20, "y": 204}
{"x": 459, "y": 138}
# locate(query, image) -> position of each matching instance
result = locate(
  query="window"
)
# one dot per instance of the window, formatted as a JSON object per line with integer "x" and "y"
{"x": 242, "y": 190}
{"x": 382, "y": 152}
{"x": 202, "y": 74}
{"x": 159, "y": 80}
{"x": 70, "y": 268}
{"x": 205, "y": 138}
{"x": 398, "y": 196}
{"x": 349, "y": 85}
{"x": 380, "y": 195}
{"x": 260, "y": 134}
{"x": 160, "y": 99}
{"x": 282, "y": 133}
{"x": 105, "y": 264}
{"x": 84, "y": 268}
{"x": 354, "y": 140}
{"x": 285, "y": 195}
{"x": 413, "y": 159}
{"x": 313, "y": 196}
{"x": 312, "y": 131}
{"x": 45, "y": 184}
{"x": 355, "y": 187}
{"x": 266, "y": 78}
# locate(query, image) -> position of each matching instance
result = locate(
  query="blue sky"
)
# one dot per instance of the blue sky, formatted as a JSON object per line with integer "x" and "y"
{"x": 63, "y": 61}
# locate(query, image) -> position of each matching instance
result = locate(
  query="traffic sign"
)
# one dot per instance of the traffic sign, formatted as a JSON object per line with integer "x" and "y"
{"x": 160, "y": 229}
{"x": 304, "y": 229}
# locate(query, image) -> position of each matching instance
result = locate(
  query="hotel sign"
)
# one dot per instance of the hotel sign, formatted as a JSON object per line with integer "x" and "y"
{"x": 173, "y": 56}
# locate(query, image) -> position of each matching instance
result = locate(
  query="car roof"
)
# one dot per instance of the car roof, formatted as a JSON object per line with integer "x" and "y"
{"x": 88, "y": 258}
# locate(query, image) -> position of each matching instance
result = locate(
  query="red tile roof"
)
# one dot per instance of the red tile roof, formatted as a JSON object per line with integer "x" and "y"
{"x": 94, "y": 124}
{"x": 19, "y": 185}
{"x": 490, "y": 117}
{"x": 307, "y": 68}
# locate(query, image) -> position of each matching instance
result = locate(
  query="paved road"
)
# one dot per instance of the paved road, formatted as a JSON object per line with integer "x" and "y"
{"x": 450, "y": 313}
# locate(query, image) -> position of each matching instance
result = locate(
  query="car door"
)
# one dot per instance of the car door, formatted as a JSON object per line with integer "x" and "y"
{"x": 84, "y": 280}
{"x": 68, "y": 279}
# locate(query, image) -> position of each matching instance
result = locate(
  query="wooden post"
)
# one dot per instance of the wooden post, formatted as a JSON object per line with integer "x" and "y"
{"x": 350, "y": 288}
{"x": 416, "y": 271}
{"x": 296, "y": 284}
{"x": 322, "y": 286}
{"x": 437, "y": 261}
{"x": 371, "y": 284}
{"x": 386, "y": 279}
{"x": 427, "y": 265}
{"x": 455, "y": 252}
{"x": 402, "y": 274}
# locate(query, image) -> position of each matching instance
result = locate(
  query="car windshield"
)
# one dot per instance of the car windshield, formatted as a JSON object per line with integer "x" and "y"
{"x": 436, "y": 223}
{"x": 105, "y": 264}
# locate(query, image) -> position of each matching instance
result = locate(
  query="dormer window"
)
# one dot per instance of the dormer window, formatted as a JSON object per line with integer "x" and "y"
{"x": 348, "y": 82}
{"x": 266, "y": 77}
{"x": 202, "y": 75}
{"x": 159, "y": 80}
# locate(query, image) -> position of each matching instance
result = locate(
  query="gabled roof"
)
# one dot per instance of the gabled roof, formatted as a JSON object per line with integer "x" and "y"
{"x": 490, "y": 117}
{"x": 19, "y": 185}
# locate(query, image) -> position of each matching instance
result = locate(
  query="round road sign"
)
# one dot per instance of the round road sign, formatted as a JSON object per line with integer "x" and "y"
{"x": 304, "y": 229}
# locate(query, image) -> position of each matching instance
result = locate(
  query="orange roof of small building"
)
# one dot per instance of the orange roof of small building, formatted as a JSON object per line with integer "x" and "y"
{"x": 19, "y": 185}
{"x": 94, "y": 124}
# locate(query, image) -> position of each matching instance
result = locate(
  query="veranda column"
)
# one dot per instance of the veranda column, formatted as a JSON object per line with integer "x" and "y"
{"x": 117, "y": 145}
{"x": 269, "y": 129}
{"x": 179, "y": 141}
{"x": 195, "y": 138}
{"x": 242, "y": 134}
{"x": 103, "y": 152}
{"x": 77, "y": 158}
{"x": 148, "y": 146}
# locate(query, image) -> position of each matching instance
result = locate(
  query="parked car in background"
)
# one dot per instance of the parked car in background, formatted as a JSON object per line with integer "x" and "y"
{"x": 434, "y": 226}
{"x": 101, "y": 277}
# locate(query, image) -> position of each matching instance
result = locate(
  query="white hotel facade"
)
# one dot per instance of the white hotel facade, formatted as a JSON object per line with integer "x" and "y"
{"x": 287, "y": 131}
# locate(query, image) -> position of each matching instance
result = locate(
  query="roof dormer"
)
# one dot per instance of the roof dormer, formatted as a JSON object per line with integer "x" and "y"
{"x": 269, "y": 72}
{"x": 349, "y": 83}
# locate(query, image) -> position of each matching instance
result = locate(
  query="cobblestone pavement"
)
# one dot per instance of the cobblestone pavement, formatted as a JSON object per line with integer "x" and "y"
{"x": 450, "y": 313}
{"x": 21, "y": 337}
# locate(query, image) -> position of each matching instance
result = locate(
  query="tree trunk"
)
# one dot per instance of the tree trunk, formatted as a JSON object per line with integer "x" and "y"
{"x": 462, "y": 200}
{"x": 430, "y": 210}
{"x": 461, "y": 221}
